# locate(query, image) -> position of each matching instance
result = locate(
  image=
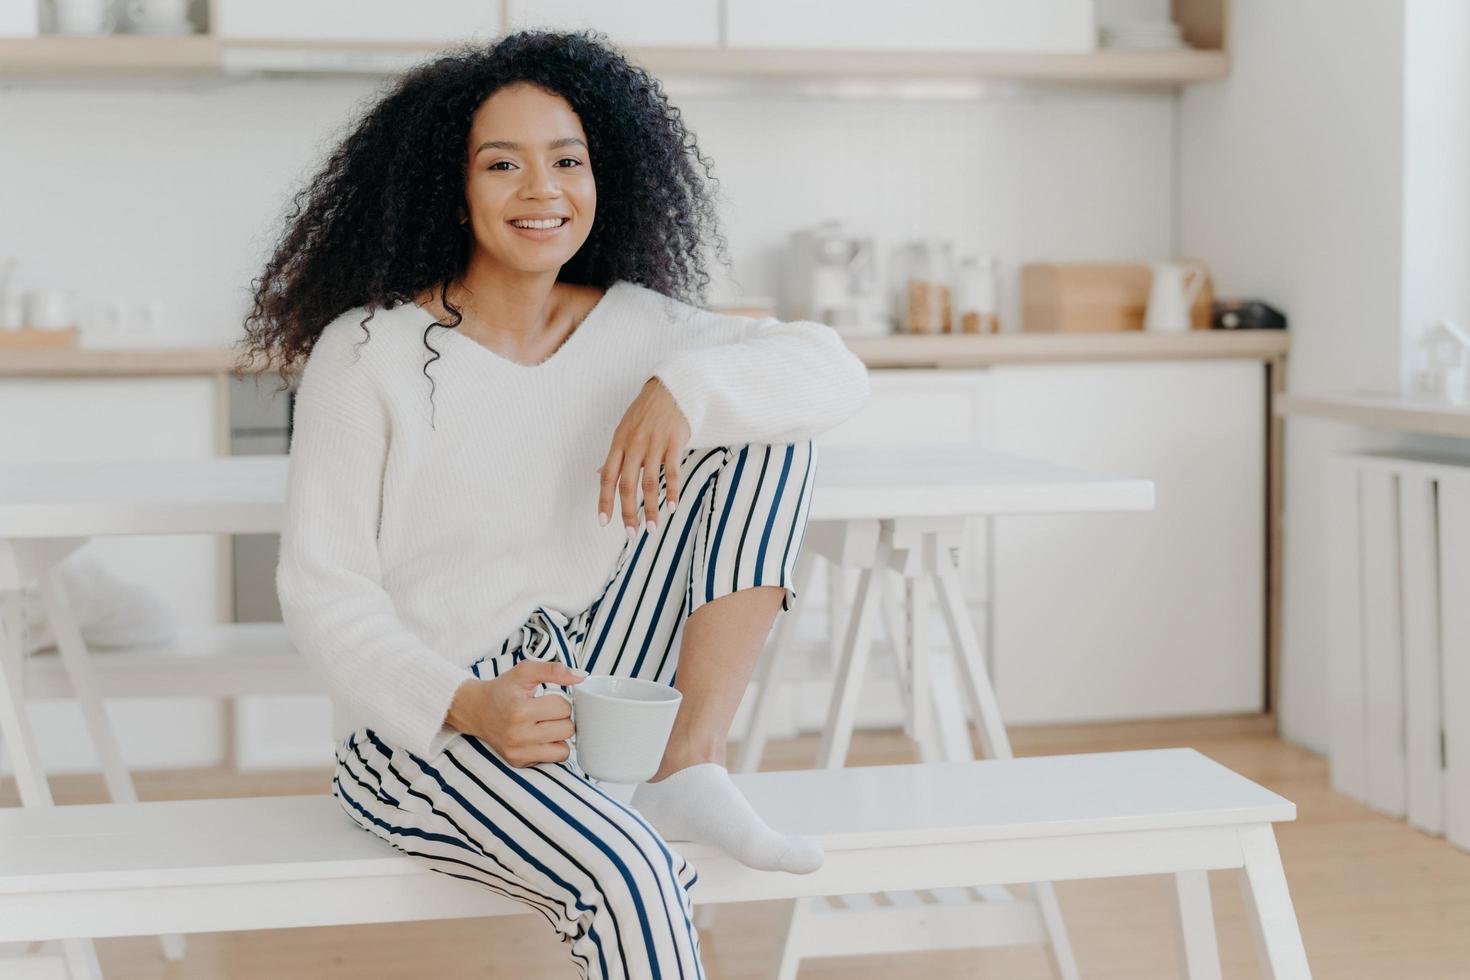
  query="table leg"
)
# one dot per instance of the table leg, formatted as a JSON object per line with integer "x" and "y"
{"x": 74, "y": 657}
{"x": 921, "y": 687}
{"x": 895, "y": 629}
{"x": 1268, "y": 905}
{"x": 950, "y": 728}
{"x": 15, "y": 726}
{"x": 20, "y": 744}
{"x": 73, "y": 651}
{"x": 971, "y": 662}
{"x": 837, "y": 733}
{"x": 1194, "y": 922}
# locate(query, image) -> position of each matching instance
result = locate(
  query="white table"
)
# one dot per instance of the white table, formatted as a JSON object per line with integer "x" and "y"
{"x": 902, "y": 508}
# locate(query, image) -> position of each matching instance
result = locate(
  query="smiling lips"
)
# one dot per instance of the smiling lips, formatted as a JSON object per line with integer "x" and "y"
{"x": 539, "y": 227}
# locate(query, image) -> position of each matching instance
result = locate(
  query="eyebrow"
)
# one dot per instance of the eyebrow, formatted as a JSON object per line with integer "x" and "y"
{"x": 511, "y": 145}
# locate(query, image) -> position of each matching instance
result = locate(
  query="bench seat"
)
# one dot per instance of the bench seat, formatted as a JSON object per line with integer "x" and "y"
{"x": 271, "y": 862}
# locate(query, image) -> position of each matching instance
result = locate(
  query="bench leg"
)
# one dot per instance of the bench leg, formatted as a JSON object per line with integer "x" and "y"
{"x": 1058, "y": 945}
{"x": 1194, "y": 921}
{"x": 81, "y": 959}
{"x": 1269, "y": 908}
{"x": 801, "y": 911}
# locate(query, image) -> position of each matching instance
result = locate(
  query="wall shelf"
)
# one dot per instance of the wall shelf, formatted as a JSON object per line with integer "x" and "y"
{"x": 209, "y": 54}
{"x": 121, "y": 52}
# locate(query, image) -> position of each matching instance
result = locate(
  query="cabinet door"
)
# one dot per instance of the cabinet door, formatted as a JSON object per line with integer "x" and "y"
{"x": 651, "y": 23}
{"x": 914, "y": 25}
{"x": 909, "y": 406}
{"x": 1147, "y": 614}
{"x": 357, "y": 20}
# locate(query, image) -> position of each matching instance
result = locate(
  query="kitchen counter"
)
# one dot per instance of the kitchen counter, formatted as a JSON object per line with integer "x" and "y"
{"x": 893, "y": 351}
{"x": 1378, "y": 410}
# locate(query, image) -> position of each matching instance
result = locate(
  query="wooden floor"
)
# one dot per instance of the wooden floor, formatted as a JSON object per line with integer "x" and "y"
{"x": 1376, "y": 899}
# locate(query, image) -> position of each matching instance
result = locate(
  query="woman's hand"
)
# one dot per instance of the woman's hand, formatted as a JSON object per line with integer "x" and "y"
{"x": 653, "y": 432}
{"x": 522, "y": 728}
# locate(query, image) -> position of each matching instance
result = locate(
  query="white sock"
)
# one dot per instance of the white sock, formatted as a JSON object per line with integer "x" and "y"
{"x": 700, "y": 803}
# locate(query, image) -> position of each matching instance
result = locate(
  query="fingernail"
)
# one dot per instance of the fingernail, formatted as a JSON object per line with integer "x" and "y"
{"x": 578, "y": 671}
{"x": 631, "y": 531}
{"x": 602, "y": 519}
{"x": 650, "y": 526}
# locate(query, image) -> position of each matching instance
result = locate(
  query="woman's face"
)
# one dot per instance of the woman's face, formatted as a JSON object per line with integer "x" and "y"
{"x": 528, "y": 159}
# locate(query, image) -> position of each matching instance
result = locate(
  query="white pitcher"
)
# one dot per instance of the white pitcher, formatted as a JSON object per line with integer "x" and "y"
{"x": 1175, "y": 286}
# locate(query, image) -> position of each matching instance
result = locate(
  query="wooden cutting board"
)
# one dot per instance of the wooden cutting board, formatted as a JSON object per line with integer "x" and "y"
{"x": 28, "y": 339}
{"x": 1096, "y": 297}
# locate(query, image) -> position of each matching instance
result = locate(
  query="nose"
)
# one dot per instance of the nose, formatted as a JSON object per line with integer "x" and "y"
{"x": 541, "y": 181}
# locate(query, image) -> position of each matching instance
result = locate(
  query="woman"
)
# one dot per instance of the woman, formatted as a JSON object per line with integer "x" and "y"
{"x": 523, "y": 219}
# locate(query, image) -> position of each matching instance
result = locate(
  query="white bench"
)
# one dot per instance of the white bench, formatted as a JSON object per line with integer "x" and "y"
{"x": 272, "y": 862}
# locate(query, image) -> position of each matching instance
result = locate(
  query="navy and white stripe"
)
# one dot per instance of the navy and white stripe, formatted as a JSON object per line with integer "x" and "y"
{"x": 548, "y": 835}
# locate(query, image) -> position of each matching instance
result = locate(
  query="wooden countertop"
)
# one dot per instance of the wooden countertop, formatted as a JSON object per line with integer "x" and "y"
{"x": 1380, "y": 410}
{"x": 894, "y": 351}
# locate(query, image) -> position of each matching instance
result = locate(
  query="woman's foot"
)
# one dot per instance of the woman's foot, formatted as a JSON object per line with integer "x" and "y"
{"x": 701, "y": 803}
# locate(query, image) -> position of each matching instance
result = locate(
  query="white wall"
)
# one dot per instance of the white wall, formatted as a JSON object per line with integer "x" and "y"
{"x": 1327, "y": 176}
{"x": 1436, "y": 260}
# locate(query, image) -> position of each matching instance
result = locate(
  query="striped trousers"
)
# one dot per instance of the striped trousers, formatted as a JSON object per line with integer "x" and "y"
{"x": 548, "y": 835}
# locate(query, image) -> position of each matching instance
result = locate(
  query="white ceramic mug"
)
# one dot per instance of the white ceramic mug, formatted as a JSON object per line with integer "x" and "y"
{"x": 622, "y": 726}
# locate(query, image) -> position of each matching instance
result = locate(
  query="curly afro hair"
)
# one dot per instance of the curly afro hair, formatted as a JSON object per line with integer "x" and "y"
{"x": 379, "y": 223}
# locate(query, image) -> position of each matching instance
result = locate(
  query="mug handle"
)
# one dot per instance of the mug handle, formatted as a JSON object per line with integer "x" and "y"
{"x": 1194, "y": 277}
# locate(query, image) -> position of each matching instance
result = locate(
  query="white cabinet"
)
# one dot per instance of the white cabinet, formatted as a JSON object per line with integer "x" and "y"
{"x": 651, "y": 23}
{"x": 914, "y": 25}
{"x": 916, "y": 406}
{"x": 1101, "y": 616}
{"x": 357, "y": 20}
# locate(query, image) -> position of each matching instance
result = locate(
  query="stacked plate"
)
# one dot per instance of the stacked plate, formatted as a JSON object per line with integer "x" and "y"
{"x": 1153, "y": 35}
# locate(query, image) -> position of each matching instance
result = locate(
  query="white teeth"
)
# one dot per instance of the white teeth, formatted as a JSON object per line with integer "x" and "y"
{"x": 547, "y": 223}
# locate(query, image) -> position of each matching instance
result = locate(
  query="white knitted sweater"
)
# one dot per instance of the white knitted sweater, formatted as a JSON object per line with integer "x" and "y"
{"x": 408, "y": 552}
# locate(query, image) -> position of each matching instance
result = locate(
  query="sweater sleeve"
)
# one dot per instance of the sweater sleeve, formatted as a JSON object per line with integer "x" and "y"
{"x": 741, "y": 379}
{"x": 336, "y": 611}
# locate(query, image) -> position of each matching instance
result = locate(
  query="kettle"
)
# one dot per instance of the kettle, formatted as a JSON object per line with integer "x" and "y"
{"x": 1173, "y": 292}
{"x": 835, "y": 279}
